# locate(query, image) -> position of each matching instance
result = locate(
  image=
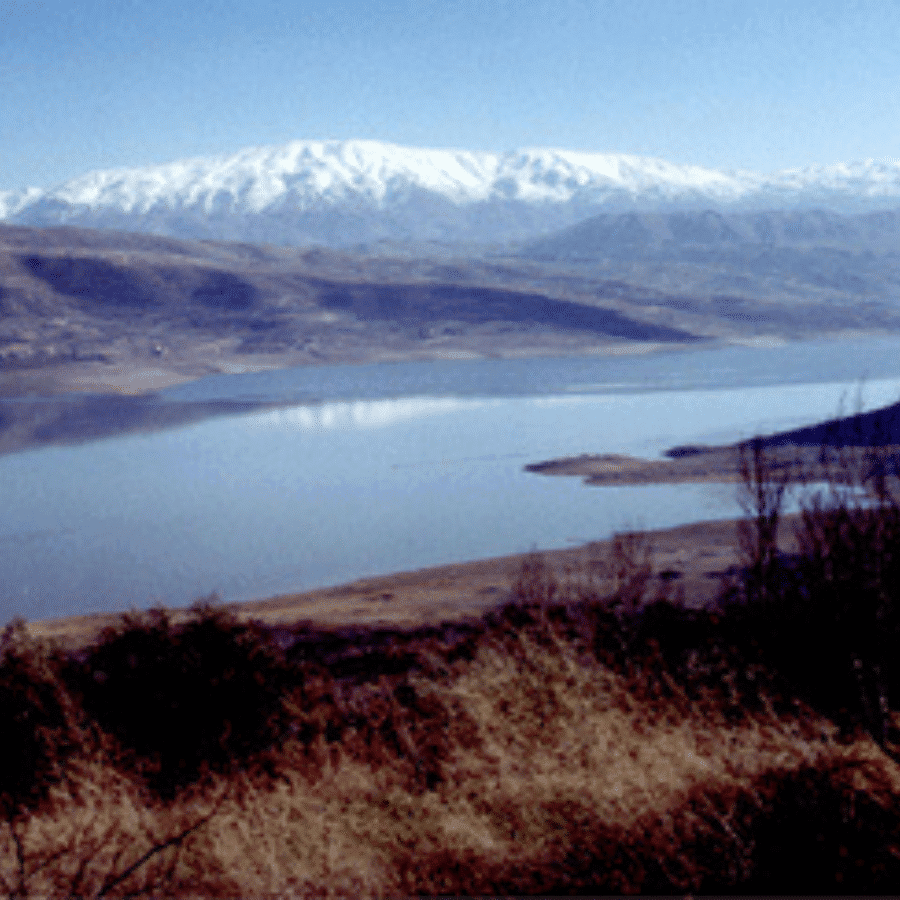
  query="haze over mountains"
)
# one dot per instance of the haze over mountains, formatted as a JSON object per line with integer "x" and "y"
{"x": 350, "y": 193}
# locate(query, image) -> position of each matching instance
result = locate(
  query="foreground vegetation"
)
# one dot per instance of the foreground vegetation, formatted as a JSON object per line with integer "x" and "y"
{"x": 593, "y": 734}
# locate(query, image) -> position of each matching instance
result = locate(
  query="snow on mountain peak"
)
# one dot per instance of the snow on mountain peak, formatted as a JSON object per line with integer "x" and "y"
{"x": 866, "y": 178}
{"x": 12, "y": 201}
{"x": 308, "y": 171}
{"x": 284, "y": 192}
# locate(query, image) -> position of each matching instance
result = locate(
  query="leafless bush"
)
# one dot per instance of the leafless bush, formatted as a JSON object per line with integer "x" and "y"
{"x": 761, "y": 495}
{"x": 619, "y": 575}
{"x": 535, "y": 582}
{"x": 828, "y": 617}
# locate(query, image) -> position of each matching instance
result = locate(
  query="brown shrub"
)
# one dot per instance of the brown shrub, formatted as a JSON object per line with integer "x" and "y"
{"x": 183, "y": 699}
{"x": 40, "y": 723}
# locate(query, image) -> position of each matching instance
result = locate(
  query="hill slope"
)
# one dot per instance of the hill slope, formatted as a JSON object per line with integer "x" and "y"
{"x": 125, "y": 301}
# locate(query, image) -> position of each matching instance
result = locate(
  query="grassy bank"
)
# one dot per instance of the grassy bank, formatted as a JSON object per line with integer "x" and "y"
{"x": 592, "y": 733}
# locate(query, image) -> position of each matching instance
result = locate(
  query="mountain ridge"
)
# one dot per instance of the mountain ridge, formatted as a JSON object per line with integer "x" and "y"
{"x": 348, "y": 193}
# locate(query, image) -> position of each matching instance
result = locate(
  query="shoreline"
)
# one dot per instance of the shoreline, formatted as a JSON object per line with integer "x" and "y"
{"x": 144, "y": 376}
{"x": 689, "y": 559}
{"x": 687, "y": 465}
{"x": 720, "y": 465}
{"x": 693, "y": 557}
{"x": 137, "y": 373}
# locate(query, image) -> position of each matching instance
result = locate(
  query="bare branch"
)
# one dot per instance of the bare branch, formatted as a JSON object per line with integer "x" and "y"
{"x": 174, "y": 841}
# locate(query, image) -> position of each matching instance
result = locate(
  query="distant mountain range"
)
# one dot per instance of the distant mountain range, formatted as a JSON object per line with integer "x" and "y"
{"x": 351, "y": 193}
{"x": 639, "y": 235}
{"x": 377, "y": 252}
{"x": 790, "y": 257}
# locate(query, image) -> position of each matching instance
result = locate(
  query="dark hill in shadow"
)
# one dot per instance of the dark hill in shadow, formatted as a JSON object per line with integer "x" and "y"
{"x": 877, "y": 428}
{"x": 93, "y": 282}
{"x": 426, "y": 304}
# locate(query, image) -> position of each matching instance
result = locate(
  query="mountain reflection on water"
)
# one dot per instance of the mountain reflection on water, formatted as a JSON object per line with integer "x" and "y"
{"x": 334, "y": 396}
{"x": 27, "y": 424}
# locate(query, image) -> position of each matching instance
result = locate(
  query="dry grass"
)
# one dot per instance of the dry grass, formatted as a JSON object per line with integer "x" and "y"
{"x": 562, "y": 781}
{"x": 590, "y": 736}
{"x": 99, "y": 836}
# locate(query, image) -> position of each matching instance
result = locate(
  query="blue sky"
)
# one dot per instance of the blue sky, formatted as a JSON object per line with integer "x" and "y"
{"x": 88, "y": 84}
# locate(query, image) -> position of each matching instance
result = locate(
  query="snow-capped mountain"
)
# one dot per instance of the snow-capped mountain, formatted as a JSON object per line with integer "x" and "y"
{"x": 349, "y": 192}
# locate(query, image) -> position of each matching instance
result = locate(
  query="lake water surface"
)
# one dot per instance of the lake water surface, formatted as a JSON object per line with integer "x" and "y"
{"x": 371, "y": 469}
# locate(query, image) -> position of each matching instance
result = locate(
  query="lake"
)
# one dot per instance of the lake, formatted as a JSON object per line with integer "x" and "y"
{"x": 365, "y": 470}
